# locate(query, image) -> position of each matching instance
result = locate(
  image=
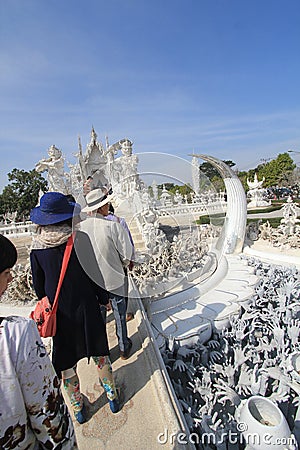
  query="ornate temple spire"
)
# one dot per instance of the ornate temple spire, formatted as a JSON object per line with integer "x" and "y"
{"x": 81, "y": 161}
{"x": 106, "y": 142}
{"x": 93, "y": 135}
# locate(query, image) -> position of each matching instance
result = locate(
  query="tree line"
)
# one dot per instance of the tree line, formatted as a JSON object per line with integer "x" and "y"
{"x": 277, "y": 173}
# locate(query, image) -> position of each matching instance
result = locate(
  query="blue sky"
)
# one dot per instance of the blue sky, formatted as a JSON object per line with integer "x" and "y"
{"x": 175, "y": 76}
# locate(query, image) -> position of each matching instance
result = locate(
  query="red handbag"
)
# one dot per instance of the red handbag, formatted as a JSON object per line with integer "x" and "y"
{"x": 44, "y": 313}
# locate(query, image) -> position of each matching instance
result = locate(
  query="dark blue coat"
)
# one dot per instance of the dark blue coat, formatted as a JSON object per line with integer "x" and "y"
{"x": 80, "y": 328}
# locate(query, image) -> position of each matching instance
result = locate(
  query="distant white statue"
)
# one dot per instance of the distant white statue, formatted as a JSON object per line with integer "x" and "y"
{"x": 150, "y": 229}
{"x": 178, "y": 198}
{"x": 165, "y": 197}
{"x": 145, "y": 197}
{"x": 155, "y": 190}
{"x": 75, "y": 179}
{"x": 54, "y": 165}
{"x": 289, "y": 221}
{"x": 125, "y": 170}
{"x": 10, "y": 217}
{"x": 257, "y": 193}
{"x": 126, "y": 147}
{"x": 255, "y": 184}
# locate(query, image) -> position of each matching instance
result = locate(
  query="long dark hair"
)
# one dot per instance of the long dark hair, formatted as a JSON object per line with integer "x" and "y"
{"x": 8, "y": 254}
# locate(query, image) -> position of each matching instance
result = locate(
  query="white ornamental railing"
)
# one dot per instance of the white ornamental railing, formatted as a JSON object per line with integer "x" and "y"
{"x": 17, "y": 228}
{"x": 192, "y": 209}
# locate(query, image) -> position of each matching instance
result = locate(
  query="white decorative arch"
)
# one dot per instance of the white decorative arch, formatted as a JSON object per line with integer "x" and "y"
{"x": 234, "y": 228}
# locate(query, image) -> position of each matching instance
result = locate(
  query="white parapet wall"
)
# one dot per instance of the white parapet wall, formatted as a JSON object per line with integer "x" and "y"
{"x": 17, "y": 228}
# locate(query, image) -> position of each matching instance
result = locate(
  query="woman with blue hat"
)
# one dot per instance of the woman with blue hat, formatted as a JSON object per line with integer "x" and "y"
{"x": 80, "y": 328}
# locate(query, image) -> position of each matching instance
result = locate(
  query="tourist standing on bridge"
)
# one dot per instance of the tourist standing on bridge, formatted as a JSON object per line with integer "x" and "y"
{"x": 113, "y": 251}
{"x": 81, "y": 331}
{"x": 33, "y": 411}
{"x": 112, "y": 216}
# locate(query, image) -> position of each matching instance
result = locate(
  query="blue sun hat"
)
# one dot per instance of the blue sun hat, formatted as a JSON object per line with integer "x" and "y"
{"x": 54, "y": 208}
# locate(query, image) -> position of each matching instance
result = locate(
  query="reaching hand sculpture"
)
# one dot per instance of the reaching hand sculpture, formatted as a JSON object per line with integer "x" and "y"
{"x": 212, "y": 426}
{"x": 185, "y": 352}
{"x": 203, "y": 387}
{"x": 293, "y": 331}
{"x": 179, "y": 365}
{"x": 225, "y": 393}
{"x": 213, "y": 344}
{"x": 245, "y": 380}
{"x": 254, "y": 357}
{"x": 241, "y": 355}
{"x": 278, "y": 334}
{"x": 215, "y": 356}
{"x": 259, "y": 382}
{"x": 241, "y": 330}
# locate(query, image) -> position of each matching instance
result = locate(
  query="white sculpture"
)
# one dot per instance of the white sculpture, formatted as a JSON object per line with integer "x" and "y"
{"x": 234, "y": 229}
{"x": 150, "y": 230}
{"x": 103, "y": 165}
{"x": 178, "y": 198}
{"x": 75, "y": 179}
{"x": 257, "y": 193}
{"x": 255, "y": 184}
{"x": 126, "y": 147}
{"x": 124, "y": 178}
{"x": 290, "y": 214}
{"x": 258, "y": 357}
{"x": 168, "y": 263}
{"x": 155, "y": 191}
{"x": 287, "y": 234}
{"x": 54, "y": 165}
{"x": 165, "y": 197}
{"x": 10, "y": 217}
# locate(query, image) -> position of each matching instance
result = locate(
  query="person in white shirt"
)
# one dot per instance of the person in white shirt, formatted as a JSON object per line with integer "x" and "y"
{"x": 113, "y": 251}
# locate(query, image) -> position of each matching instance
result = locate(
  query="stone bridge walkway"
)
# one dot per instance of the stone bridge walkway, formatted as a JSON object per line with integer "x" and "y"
{"x": 148, "y": 409}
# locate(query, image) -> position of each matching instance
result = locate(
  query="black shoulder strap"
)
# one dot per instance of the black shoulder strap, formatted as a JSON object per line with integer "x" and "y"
{"x": 1, "y": 318}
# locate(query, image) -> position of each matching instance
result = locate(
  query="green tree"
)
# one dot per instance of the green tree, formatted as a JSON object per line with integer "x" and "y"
{"x": 183, "y": 190}
{"x": 22, "y": 193}
{"x": 243, "y": 175}
{"x": 277, "y": 171}
{"x": 168, "y": 186}
{"x": 211, "y": 172}
{"x": 213, "y": 175}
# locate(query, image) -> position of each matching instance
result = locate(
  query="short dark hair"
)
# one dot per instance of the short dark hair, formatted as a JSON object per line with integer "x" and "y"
{"x": 71, "y": 198}
{"x": 8, "y": 254}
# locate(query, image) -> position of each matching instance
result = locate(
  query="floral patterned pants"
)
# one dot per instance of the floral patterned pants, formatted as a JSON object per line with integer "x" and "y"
{"x": 72, "y": 385}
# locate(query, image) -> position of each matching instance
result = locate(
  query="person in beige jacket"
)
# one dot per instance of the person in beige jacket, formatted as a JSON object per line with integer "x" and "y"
{"x": 113, "y": 251}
